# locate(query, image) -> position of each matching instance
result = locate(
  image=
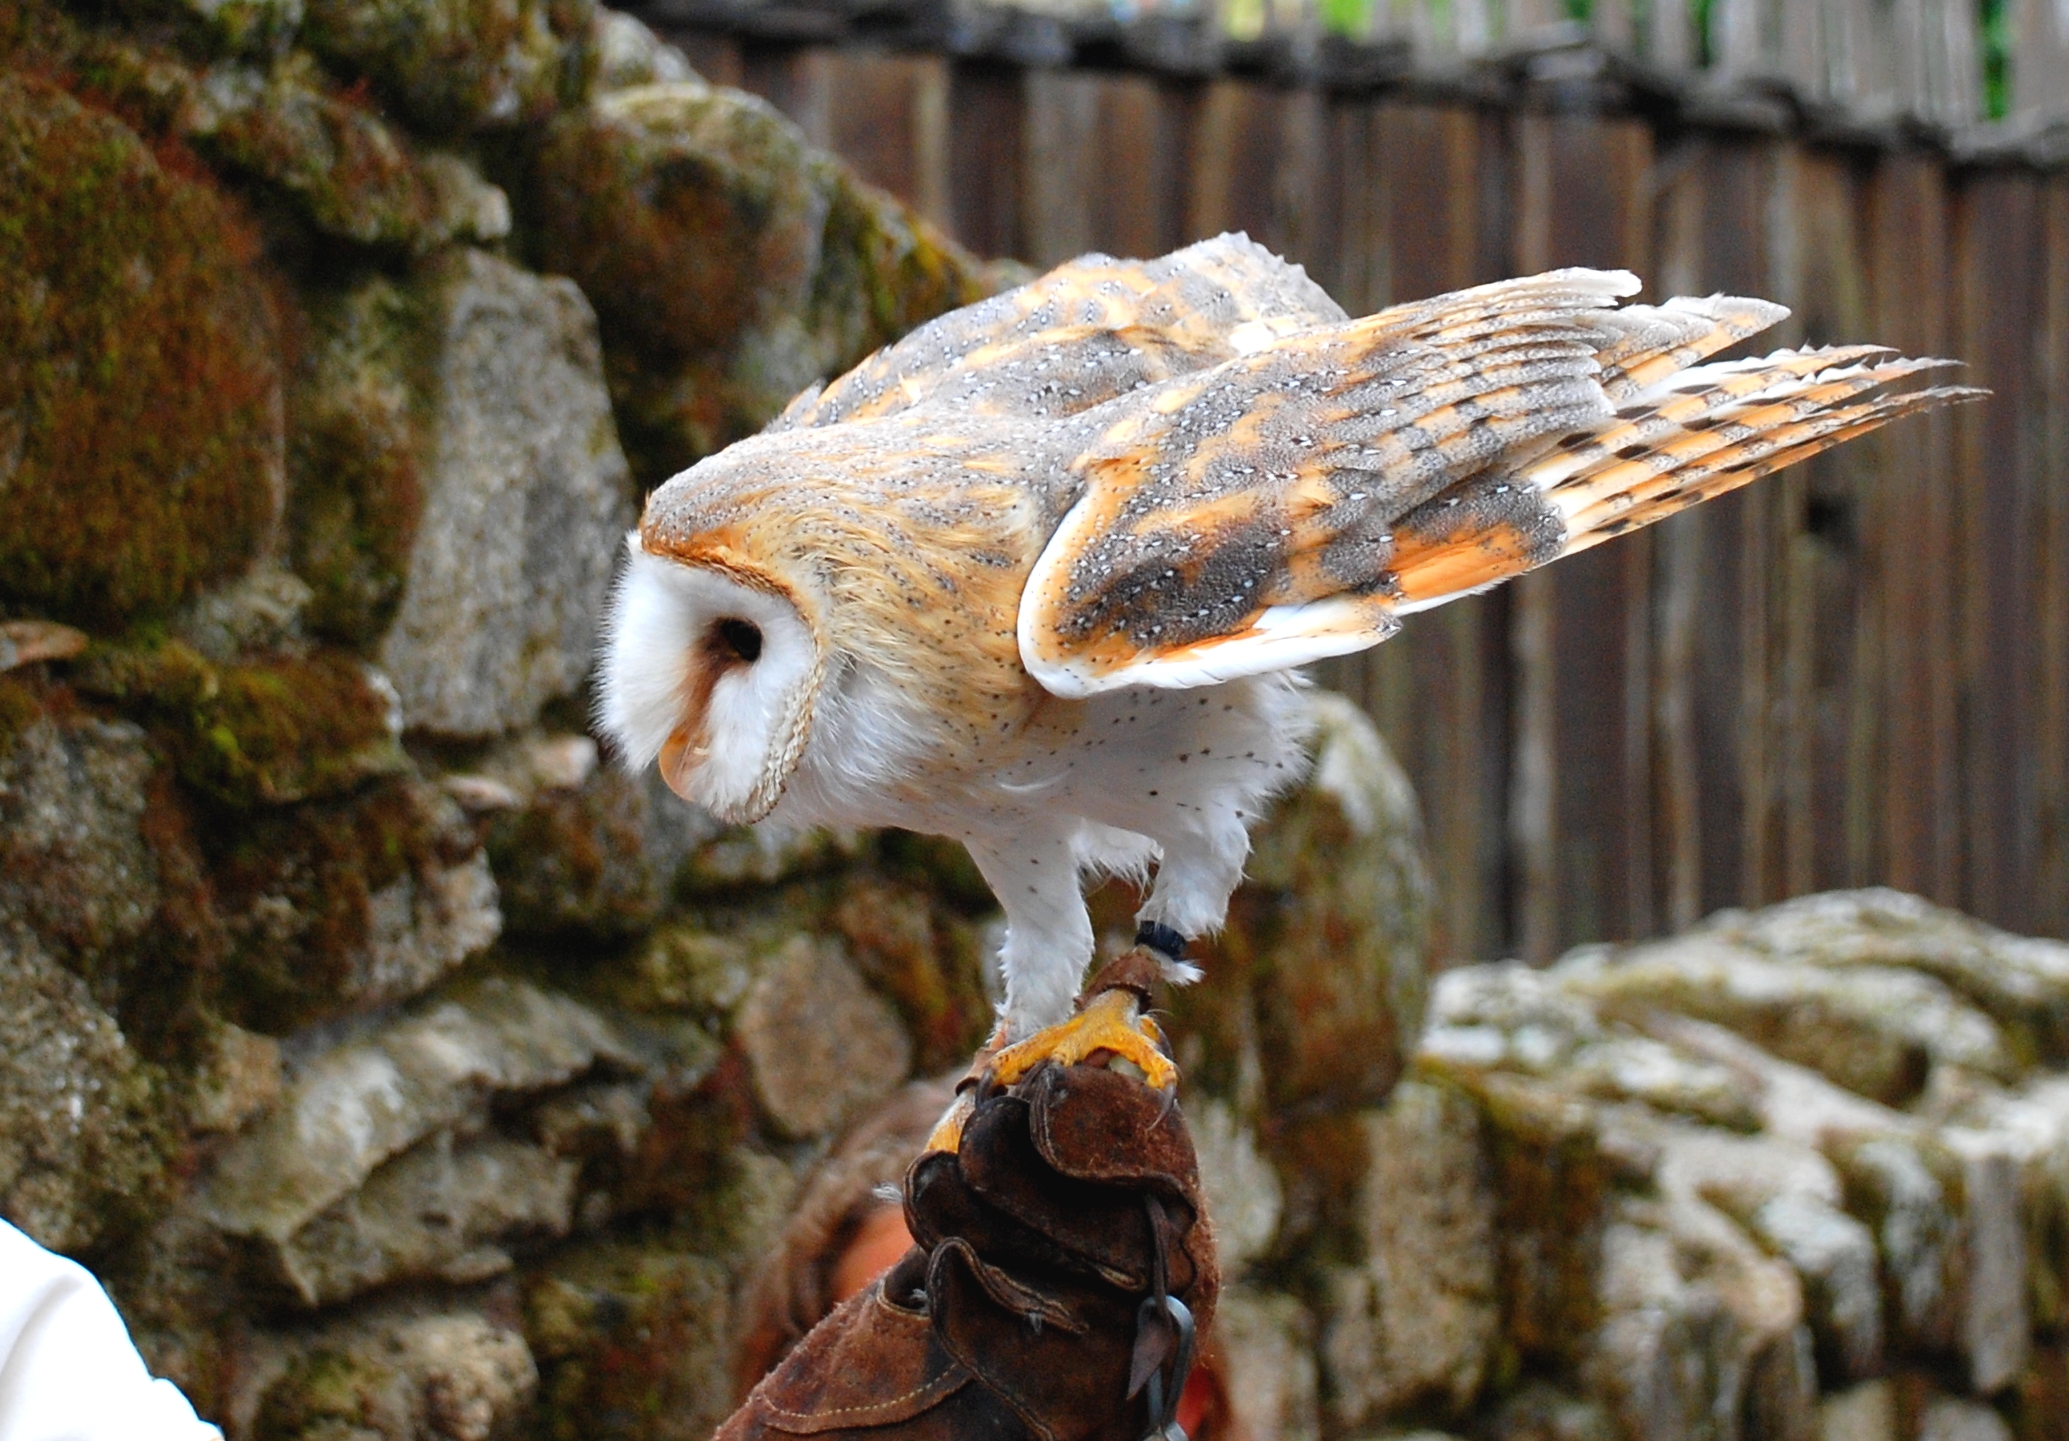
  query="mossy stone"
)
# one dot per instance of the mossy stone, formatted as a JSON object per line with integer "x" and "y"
{"x": 343, "y": 905}
{"x": 686, "y": 213}
{"x": 731, "y": 264}
{"x": 270, "y": 732}
{"x": 449, "y": 66}
{"x": 572, "y": 865}
{"x": 925, "y": 960}
{"x": 84, "y": 1134}
{"x": 885, "y": 270}
{"x": 140, "y": 383}
{"x": 342, "y": 165}
{"x": 355, "y": 455}
{"x": 633, "y": 1342}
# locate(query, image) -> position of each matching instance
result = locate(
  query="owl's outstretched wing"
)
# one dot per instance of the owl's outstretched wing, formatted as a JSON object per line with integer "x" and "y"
{"x": 1293, "y": 503}
{"x": 1081, "y": 335}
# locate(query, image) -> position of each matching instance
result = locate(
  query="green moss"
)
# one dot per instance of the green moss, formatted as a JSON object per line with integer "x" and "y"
{"x": 731, "y": 264}
{"x": 632, "y": 1342}
{"x": 926, "y": 963}
{"x": 266, "y": 733}
{"x": 355, "y": 459}
{"x": 298, "y": 885}
{"x": 573, "y": 866}
{"x": 323, "y": 1392}
{"x": 140, "y": 355}
{"x": 1554, "y": 1185}
{"x": 349, "y": 171}
{"x": 685, "y": 214}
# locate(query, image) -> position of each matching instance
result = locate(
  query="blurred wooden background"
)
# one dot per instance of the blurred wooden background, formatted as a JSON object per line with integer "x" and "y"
{"x": 1855, "y": 673}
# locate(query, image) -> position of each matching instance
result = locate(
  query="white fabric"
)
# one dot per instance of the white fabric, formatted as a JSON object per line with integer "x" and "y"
{"x": 68, "y": 1371}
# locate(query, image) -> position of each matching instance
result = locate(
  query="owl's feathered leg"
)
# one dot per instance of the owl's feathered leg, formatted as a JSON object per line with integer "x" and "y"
{"x": 1049, "y": 940}
{"x": 1034, "y": 873}
{"x": 1201, "y": 867}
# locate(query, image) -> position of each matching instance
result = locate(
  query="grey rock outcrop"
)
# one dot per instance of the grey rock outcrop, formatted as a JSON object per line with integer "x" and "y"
{"x": 821, "y": 1046}
{"x": 1796, "y": 1153}
{"x": 1416, "y": 1323}
{"x": 75, "y": 867}
{"x": 392, "y": 1372}
{"x": 79, "y": 1123}
{"x": 526, "y": 498}
{"x": 355, "y": 1106}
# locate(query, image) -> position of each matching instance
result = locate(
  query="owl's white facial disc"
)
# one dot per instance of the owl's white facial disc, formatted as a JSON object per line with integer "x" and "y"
{"x": 712, "y": 678}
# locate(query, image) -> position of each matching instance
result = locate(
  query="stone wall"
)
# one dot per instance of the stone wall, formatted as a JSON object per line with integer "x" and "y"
{"x": 408, "y": 1072}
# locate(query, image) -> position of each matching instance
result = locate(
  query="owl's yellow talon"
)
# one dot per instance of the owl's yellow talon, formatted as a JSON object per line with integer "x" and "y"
{"x": 947, "y": 1134}
{"x": 1112, "y": 1022}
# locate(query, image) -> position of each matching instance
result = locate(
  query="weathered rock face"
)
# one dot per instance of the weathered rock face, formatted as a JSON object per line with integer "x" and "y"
{"x": 524, "y": 499}
{"x": 75, "y": 868}
{"x": 1791, "y": 1152}
{"x": 80, "y": 1121}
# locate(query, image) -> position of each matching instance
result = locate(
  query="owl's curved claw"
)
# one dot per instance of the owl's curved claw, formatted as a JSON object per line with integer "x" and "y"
{"x": 1111, "y": 1021}
{"x": 947, "y": 1134}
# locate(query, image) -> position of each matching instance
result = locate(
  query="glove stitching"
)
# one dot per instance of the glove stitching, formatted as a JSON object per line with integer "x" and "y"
{"x": 920, "y": 1389}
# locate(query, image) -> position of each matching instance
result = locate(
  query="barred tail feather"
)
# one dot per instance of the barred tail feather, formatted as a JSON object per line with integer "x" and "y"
{"x": 1689, "y": 435}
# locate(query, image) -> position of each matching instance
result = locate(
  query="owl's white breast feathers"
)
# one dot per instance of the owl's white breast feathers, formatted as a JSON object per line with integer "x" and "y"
{"x": 659, "y": 680}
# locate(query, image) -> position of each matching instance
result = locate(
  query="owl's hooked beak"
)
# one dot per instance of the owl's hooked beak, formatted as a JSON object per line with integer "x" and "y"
{"x": 679, "y": 759}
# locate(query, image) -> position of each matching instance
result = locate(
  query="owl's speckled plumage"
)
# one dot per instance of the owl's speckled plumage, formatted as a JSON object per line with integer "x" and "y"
{"x": 1035, "y": 576}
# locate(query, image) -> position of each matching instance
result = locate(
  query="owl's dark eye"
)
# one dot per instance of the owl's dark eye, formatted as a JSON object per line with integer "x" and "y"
{"x": 741, "y": 639}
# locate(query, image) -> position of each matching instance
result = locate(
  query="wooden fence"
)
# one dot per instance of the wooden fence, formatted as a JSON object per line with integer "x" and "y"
{"x": 1856, "y": 672}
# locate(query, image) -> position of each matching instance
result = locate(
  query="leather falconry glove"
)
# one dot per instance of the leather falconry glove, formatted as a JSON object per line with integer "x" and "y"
{"x": 1062, "y": 1263}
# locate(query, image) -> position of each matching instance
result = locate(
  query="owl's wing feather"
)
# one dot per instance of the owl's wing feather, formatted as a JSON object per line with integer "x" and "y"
{"x": 1081, "y": 335}
{"x": 1292, "y": 504}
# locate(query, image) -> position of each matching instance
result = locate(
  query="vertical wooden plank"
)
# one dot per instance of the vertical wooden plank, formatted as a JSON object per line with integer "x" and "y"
{"x": 1581, "y": 852}
{"x": 1224, "y": 131}
{"x": 1731, "y": 775}
{"x": 2001, "y": 450}
{"x": 1614, "y": 24}
{"x": 1058, "y": 161}
{"x": 1298, "y": 177}
{"x": 1105, "y": 164}
{"x": 2039, "y": 60}
{"x": 1740, "y": 708}
{"x": 1355, "y": 244}
{"x": 714, "y": 56}
{"x": 887, "y": 116}
{"x": 1437, "y": 688}
{"x": 1797, "y": 557}
{"x": 986, "y": 108}
{"x": 1679, "y": 268}
{"x": 2051, "y": 711}
{"x": 1136, "y": 181}
{"x": 1668, "y": 39}
{"x": 793, "y": 78}
{"x": 1830, "y": 631}
{"x": 1739, "y": 40}
{"x": 1910, "y": 530}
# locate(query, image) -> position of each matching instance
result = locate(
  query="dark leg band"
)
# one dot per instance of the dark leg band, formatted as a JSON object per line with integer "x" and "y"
{"x": 1161, "y": 938}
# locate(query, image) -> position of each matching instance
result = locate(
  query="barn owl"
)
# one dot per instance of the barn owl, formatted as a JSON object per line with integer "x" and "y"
{"x": 1038, "y": 576}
